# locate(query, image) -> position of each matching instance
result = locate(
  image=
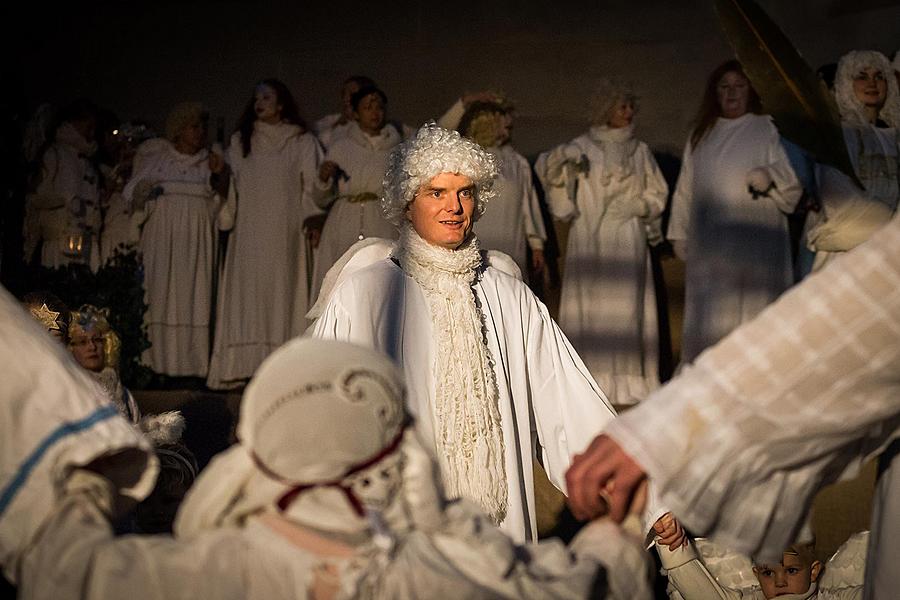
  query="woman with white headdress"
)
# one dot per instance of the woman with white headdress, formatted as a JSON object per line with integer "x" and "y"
{"x": 868, "y": 99}
{"x": 174, "y": 180}
{"x": 514, "y": 222}
{"x": 265, "y": 283}
{"x": 607, "y": 184}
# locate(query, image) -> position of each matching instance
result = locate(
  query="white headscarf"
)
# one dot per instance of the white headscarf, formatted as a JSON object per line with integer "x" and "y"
{"x": 850, "y": 106}
{"x": 318, "y": 416}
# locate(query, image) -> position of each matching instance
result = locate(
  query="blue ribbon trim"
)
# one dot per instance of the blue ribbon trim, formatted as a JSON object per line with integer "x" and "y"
{"x": 12, "y": 488}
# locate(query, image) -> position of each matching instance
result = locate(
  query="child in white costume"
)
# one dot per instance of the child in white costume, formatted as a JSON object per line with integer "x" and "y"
{"x": 327, "y": 495}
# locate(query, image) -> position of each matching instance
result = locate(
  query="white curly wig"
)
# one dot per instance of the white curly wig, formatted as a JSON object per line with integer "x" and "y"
{"x": 604, "y": 97}
{"x": 435, "y": 150}
{"x": 851, "y": 108}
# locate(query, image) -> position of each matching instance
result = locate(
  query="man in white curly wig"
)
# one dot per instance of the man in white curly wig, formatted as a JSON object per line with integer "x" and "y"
{"x": 489, "y": 371}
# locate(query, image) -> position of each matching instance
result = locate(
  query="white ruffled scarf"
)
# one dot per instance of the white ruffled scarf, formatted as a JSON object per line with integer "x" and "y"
{"x": 618, "y": 151}
{"x": 469, "y": 433}
{"x": 274, "y": 136}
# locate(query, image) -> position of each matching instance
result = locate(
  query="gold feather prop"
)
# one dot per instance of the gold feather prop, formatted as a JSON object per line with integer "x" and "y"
{"x": 803, "y": 109}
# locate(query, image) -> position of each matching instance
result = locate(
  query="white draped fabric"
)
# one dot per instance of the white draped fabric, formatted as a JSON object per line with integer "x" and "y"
{"x": 608, "y": 301}
{"x": 355, "y": 211}
{"x": 741, "y": 441}
{"x": 264, "y": 290}
{"x": 178, "y": 250}
{"x": 738, "y": 248}
{"x": 513, "y": 217}
{"x": 545, "y": 393}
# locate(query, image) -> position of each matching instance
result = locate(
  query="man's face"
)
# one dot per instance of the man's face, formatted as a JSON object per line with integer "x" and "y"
{"x": 792, "y": 576}
{"x": 441, "y": 212}
{"x": 370, "y": 114}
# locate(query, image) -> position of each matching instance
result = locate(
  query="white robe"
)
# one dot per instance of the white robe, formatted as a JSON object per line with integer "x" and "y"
{"x": 264, "y": 289}
{"x": 608, "y": 301}
{"x": 544, "y": 388}
{"x": 738, "y": 248}
{"x": 68, "y": 178}
{"x": 741, "y": 441}
{"x": 178, "y": 252}
{"x": 849, "y": 215}
{"x": 512, "y": 219}
{"x": 364, "y": 159}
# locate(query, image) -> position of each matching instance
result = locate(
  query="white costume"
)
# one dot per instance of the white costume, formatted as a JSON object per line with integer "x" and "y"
{"x": 178, "y": 252}
{"x": 703, "y": 570}
{"x": 515, "y": 215}
{"x": 740, "y": 443}
{"x": 264, "y": 290}
{"x": 355, "y": 212}
{"x": 63, "y": 213}
{"x": 849, "y": 215}
{"x": 738, "y": 248}
{"x": 121, "y": 224}
{"x": 487, "y": 366}
{"x": 608, "y": 301}
{"x": 247, "y": 529}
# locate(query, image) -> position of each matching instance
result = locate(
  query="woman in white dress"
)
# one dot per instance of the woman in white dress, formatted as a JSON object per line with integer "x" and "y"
{"x": 350, "y": 179}
{"x": 264, "y": 292}
{"x": 868, "y": 100}
{"x": 608, "y": 186}
{"x": 729, "y": 212}
{"x": 176, "y": 180}
{"x": 515, "y": 216}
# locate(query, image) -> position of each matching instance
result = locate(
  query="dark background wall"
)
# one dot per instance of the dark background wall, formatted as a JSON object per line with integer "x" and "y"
{"x": 139, "y": 58}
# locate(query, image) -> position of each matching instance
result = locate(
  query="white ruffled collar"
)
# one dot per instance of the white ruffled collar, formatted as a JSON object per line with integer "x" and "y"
{"x": 387, "y": 138}
{"x": 605, "y": 133}
{"x": 275, "y": 135}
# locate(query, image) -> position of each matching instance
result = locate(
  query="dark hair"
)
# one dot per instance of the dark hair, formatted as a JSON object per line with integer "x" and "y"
{"x": 368, "y": 90}
{"x": 360, "y": 80}
{"x": 827, "y": 73}
{"x": 709, "y": 107}
{"x": 289, "y": 111}
{"x": 474, "y": 110}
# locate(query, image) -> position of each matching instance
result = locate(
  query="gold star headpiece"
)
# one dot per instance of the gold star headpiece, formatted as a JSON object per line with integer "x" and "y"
{"x": 48, "y": 318}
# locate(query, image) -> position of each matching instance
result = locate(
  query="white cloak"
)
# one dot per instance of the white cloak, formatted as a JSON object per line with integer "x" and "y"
{"x": 741, "y": 441}
{"x": 513, "y": 216}
{"x": 608, "y": 301}
{"x": 364, "y": 159}
{"x": 544, "y": 388}
{"x": 178, "y": 250}
{"x": 264, "y": 290}
{"x": 738, "y": 248}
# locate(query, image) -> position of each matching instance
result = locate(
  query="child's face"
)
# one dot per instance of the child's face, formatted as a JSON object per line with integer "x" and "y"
{"x": 792, "y": 576}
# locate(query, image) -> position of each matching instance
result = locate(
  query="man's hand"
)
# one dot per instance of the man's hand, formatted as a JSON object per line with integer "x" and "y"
{"x": 670, "y": 532}
{"x": 603, "y": 475}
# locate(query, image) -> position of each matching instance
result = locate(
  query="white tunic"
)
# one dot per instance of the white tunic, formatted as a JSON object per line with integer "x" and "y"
{"x": 608, "y": 301}
{"x": 65, "y": 203}
{"x": 353, "y": 216}
{"x": 178, "y": 251}
{"x": 544, "y": 388}
{"x": 740, "y": 442}
{"x": 513, "y": 217}
{"x": 264, "y": 290}
{"x": 738, "y": 248}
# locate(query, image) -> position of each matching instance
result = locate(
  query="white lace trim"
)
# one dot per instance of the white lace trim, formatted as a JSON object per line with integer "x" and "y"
{"x": 469, "y": 433}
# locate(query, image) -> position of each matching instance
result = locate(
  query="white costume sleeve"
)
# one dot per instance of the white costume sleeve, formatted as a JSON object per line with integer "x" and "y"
{"x": 77, "y": 556}
{"x": 656, "y": 189}
{"x": 740, "y": 442}
{"x": 679, "y": 221}
{"x": 58, "y": 181}
{"x": 531, "y": 210}
{"x": 454, "y": 114}
{"x": 690, "y": 577}
{"x": 787, "y": 189}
